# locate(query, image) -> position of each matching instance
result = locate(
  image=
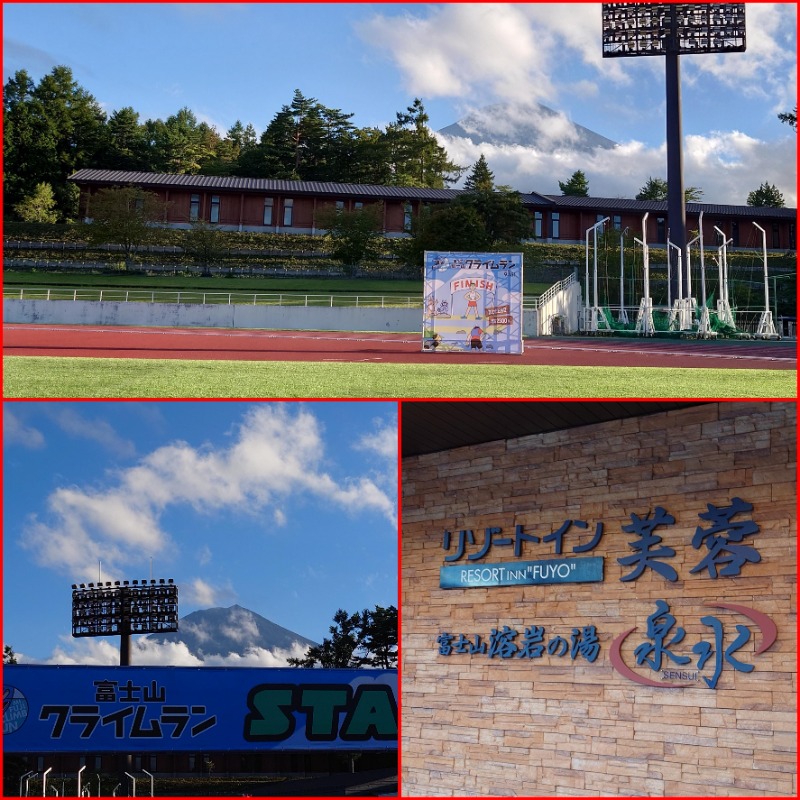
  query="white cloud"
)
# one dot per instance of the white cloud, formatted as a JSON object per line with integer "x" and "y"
{"x": 726, "y": 165}
{"x": 382, "y": 441}
{"x": 276, "y": 453}
{"x": 484, "y": 53}
{"x": 105, "y": 652}
{"x": 201, "y": 593}
{"x": 508, "y": 51}
{"x": 497, "y": 50}
{"x": 16, "y": 432}
{"x": 768, "y": 67}
{"x": 93, "y": 430}
{"x": 242, "y": 625}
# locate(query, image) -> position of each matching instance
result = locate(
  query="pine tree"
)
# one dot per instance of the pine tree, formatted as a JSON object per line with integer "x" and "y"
{"x": 766, "y": 195}
{"x": 576, "y": 186}
{"x": 654, "y": 189}
{"x": 481, "y": 179}
{"x": 415, "y": 156}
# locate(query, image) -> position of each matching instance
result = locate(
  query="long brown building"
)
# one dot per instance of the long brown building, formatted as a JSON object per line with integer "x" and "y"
{"x": 279, "y": 206}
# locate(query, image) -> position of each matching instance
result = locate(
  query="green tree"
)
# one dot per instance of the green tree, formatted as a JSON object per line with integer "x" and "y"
{"x": 39, "y": 206}
{"x": 449, "y": 227}
{"x": 356, "y": 235}
{"x": 654, "y": 189}
{"x": 127, "y": 142}
{"x": 184, "y": 145}
{"x": 693, "y": 194}
{"x": 415, "y": 156}
{"x": 369, "y": 161}
{"x": 291, "y": 146}
{"x": 50, "y": 130}
{"x": 379, "y": 638}
{"x": 365, "y": 639}
{"x": 766, "y": 195}
{"x": 336, "y": 652}
{"x": 9, "y": 656}
{"x": 124, "y": 216}
{"x": 789, "y": 117}
{"x": 481, "y": 178}
{"x": 503, "y": 217}
{"x": 205, "y": 243}
{"x": 576, "y": 186}
{"x": 233, "y": 147}
{"x": 19, "y": 145}
{"x": 657, "y": 189}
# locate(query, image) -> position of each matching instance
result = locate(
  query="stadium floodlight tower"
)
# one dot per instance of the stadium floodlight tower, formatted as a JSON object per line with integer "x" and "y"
{"x": 121, "y": 610}
{"x": 672, "y": 30}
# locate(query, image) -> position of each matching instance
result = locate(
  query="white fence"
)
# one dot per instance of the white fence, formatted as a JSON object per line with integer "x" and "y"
{"x": 211, "y": 298}
{"x": 554, "y": 312}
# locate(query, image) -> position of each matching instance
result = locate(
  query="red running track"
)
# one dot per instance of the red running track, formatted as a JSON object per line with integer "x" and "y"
{"x": 259, "y": 345}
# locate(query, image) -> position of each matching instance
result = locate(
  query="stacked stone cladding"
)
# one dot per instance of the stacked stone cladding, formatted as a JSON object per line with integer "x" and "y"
{"x": 474, "y": 725}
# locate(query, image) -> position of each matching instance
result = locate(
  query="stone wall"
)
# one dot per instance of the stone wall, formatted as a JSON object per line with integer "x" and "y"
{"x": 559, "y": 723}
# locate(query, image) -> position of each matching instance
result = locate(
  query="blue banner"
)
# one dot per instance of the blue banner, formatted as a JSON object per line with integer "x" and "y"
{"x": 136, "y": 709}
{"x": 524, "y": 573}
{"x": 473, "y": 302}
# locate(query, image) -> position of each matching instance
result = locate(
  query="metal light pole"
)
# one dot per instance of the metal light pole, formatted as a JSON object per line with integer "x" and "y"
{"x": 672, "y": 30}
{"x": 122, "y": 610}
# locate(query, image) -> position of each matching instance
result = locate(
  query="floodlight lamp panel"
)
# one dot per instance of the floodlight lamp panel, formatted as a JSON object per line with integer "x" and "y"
{"x": 652, "y": 29}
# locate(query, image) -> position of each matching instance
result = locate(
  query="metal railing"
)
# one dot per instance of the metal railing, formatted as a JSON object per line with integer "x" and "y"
{"x": 189, "y": 297}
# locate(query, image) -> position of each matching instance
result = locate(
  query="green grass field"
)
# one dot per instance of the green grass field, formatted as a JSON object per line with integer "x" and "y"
{"x": 41, "y": 377}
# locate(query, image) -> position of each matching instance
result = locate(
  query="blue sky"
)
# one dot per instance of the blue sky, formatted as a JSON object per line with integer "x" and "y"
{"x": 229, "y": 61}
{"x": 287, "y": 509}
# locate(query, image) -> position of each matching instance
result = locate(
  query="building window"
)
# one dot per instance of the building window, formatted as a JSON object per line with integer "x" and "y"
{"x": 358, "y": 205}
{"x": 792, "y": 237}
{"x": 661, "y": 230}
{"x": 617, "y": 222}
{"x": 340, "y": 205}
{"x": 214, "y": 208}
{"x": 406, "y": 216}
{"x": 269, "y": 203}
{"x": 555, "y": 225}
{"x": 735, "y": 233}
{"x": 194, "y": 208}
{"x": 776, "y": 235}
{"x": 288, "y": 212}
{"x": 537, "y": 224}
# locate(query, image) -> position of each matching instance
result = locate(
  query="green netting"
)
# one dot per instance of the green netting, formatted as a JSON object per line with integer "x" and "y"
{"x": 661, "y": 322}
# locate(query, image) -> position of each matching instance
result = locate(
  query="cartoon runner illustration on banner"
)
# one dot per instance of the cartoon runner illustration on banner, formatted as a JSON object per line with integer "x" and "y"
{"x": 464, "y": 289}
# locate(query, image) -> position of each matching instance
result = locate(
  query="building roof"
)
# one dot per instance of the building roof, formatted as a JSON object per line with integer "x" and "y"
{"x": 160, "y": 180}
{"x": 434, "y": 427}
{"x": 111, "y": 177}
{"x": 660, "y": 206}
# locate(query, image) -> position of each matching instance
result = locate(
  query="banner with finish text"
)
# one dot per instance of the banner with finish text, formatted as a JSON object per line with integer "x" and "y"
{"x": 473, "y": 302}
{"x": 65, "y": 709}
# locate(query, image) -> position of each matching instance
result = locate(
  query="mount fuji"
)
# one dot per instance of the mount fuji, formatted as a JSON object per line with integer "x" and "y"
{"x": 230, "y": 631}
{"x": 532, "y": 125}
